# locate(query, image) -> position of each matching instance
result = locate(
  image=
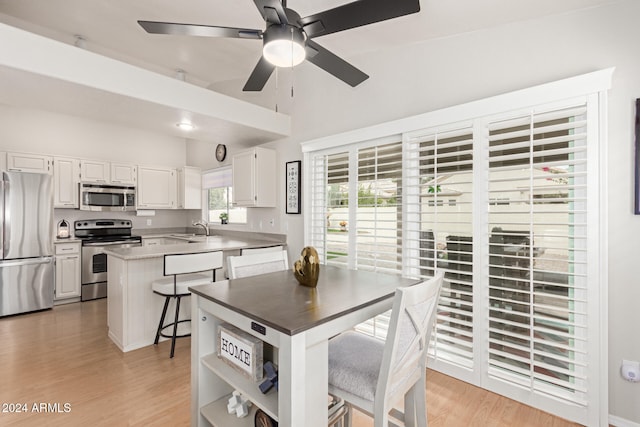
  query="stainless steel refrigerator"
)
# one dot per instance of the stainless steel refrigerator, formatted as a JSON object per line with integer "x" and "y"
{"x": 26, "y": 235}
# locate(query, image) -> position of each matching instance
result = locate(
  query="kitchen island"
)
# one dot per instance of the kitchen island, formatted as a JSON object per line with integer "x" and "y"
{"x": 133, "y": 309}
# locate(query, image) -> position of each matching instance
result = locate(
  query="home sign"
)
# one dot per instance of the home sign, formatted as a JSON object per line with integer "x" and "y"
{"x": 240, "y": 350}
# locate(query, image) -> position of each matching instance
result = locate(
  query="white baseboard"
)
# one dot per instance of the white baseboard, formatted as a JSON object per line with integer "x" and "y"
{"x": 621, "y": 422}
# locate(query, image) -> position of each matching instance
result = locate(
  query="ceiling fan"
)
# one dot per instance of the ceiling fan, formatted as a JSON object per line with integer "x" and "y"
{"x": 287, "y": 39}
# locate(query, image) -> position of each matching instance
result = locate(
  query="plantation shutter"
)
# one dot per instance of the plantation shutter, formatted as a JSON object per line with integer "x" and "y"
{"x": 329, "y": 207}
{"x": 337, "y": 214}
{"x": 379, "y": 211}
{"x": 378, "y": 216}
{"x": 440, "y": 215}
{"x": 508, "y": 204}
{"x": 537, "y": 252}
{"x": 318, "y": 205}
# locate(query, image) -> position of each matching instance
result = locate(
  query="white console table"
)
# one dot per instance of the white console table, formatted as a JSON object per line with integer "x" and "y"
{"x": 296, "y": 324}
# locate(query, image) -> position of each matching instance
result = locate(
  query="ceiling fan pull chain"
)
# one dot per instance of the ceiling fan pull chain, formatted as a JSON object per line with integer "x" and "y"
{"x": 276, "y": 71}
{"x": 292, "y": 71}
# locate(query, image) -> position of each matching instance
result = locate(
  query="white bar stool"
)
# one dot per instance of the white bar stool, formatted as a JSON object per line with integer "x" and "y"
{"x": 190, "y": 268}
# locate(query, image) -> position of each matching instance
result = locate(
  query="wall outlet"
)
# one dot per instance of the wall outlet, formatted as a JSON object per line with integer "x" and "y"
{"x": 149, "y": 222}
{"x": 272, "y": 222}
{"x": 630, "y": 370}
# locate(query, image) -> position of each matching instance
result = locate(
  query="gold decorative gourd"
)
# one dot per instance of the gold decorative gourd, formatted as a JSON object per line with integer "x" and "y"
{"x": 307, "y": 268}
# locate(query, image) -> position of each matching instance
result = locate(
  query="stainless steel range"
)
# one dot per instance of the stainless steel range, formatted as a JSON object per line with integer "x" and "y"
{"x": 96, "y": 236}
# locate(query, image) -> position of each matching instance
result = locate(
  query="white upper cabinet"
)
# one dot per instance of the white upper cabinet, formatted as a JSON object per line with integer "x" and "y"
{"x": 156, "y": 188}
{"x": 254, "y": 178}
{"x": 124, "y": 173}
{"x": 25, "y": 162}
{"x": 95, "y": 171}
{"x": 189, "y": 188}
{"x": 100, "y": 172}
{"x": 66, "y": 177}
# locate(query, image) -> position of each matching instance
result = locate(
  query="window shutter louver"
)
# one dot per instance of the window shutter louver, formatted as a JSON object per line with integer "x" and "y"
{"x": 537, "y": 252}
{"x": 441, "y": 192}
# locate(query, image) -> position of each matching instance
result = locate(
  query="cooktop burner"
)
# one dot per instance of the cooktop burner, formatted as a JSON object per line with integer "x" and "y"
{"x": 104, "y": 230}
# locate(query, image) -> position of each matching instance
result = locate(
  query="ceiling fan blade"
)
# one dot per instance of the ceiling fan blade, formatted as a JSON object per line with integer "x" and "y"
{"x": 198, "y": 30}
{"x": 333, "y": 64}
{"x": 272, "y": 11}
{"x": 259, "y": 76}
{"x": 356, "y": 14}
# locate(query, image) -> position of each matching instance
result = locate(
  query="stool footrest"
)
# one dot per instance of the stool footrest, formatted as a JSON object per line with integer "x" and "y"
{"x": 162, "y": 334}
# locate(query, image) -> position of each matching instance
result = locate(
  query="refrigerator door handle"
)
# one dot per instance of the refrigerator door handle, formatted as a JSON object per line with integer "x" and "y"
{"x": 6, "y": 232}
{"x": 2, "y": 207}
{"x": 26, "y": 261}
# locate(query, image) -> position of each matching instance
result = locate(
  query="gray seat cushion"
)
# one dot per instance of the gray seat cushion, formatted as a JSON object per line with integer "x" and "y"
{"x": 354, "y": 363}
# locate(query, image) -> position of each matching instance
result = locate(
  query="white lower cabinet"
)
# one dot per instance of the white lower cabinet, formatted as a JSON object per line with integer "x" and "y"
{"x": 216, "y": 380}
{"x": 67, "y": 270}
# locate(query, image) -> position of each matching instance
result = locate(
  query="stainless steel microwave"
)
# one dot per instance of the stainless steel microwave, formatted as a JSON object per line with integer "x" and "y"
{"x": 100, "y": 197}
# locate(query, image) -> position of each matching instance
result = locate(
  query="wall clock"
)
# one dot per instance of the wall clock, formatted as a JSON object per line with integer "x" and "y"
{"x": 221, "y": 152}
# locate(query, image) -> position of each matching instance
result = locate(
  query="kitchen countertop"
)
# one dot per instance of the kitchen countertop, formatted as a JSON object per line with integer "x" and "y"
{"x": 69, "y": 240}
{"x": 208, "y": 243}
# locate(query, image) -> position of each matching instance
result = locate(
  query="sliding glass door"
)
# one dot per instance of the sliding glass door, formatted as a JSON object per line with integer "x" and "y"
{"x": 507, "y": 206}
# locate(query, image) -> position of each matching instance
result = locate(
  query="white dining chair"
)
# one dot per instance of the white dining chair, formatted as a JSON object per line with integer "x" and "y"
{"x": 264, "y": 249}
{"x": 187, "y": 270}
{"x": 254, "y": 264}
{"x": 374, "y": 375}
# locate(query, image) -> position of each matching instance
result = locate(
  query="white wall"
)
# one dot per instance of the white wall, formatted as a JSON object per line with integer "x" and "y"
{"x": 30, "y": 130}
{"x": 36, "y": 131}
{"x": 424, "y": 77}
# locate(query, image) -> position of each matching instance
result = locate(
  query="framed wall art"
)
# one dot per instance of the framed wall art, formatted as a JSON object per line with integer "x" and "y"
{"x": 293, "y": 189}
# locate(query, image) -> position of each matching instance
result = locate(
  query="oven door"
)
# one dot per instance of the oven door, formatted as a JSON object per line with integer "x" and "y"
{"x": 94, "y": 267}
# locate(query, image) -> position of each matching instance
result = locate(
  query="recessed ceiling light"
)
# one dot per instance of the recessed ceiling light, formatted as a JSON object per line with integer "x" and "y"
{"x": 186, "y": 126}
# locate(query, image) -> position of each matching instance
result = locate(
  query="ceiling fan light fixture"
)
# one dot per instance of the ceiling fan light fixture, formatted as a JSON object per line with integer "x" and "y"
{"x": 284, "y": 46}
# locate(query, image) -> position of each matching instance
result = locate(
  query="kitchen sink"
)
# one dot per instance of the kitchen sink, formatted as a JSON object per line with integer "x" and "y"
{"x": 191, "y": 237}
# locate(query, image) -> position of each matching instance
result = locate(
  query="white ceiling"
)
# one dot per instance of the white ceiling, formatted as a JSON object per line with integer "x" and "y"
{"x": 110, "y": 28}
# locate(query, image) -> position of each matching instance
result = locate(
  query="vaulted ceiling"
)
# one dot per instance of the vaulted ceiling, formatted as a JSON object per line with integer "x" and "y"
{"x": 109, "y": 28}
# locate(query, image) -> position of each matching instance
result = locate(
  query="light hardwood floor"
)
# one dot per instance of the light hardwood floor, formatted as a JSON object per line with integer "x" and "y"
{"x": 63, "y": 356}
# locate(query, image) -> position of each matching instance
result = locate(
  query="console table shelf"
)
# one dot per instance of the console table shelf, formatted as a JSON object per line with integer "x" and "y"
{"x": 267, "y": 402}
{"x": 216, "y": 414}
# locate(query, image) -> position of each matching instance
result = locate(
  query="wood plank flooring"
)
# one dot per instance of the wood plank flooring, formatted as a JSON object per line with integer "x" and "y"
{"x": 63, "y": 356}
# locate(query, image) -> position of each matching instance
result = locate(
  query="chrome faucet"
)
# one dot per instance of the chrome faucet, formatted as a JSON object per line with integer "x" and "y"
{"x": 202, "y": 223}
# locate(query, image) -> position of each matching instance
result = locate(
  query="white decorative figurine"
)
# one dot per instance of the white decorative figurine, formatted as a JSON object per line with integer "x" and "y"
{"x": 238, "y": 404}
